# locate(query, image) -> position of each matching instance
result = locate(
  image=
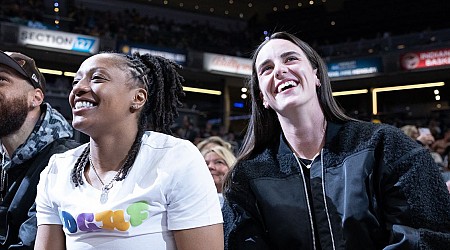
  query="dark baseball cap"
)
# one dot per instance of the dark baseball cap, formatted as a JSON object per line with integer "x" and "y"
{"x": 25, "y": 66}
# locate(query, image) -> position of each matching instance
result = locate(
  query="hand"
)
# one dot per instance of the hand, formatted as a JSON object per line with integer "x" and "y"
{"x": 448, "y": 186}
{"x": 426, "y": 139}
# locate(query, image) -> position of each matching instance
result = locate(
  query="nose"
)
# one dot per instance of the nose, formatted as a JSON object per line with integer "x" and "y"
{"x": 211, "y": 166}
{"x": 80, "y": 87}
{"x": 280, "y": 71}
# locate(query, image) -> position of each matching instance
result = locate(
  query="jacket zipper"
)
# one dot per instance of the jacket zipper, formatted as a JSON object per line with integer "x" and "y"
{"x": 2, "y": 177}
{"x": 307, "y": 202}
{"x": 325, "y": 200}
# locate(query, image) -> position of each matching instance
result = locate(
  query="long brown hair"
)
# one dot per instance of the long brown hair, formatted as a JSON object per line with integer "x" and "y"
{"x": 264, "y": 129}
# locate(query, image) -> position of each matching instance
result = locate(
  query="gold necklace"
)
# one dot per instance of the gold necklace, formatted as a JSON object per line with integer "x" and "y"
{"x": 105, "y": 188}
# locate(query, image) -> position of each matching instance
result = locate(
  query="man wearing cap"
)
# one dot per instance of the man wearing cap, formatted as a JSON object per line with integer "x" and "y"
{"x": 31, "y": 131}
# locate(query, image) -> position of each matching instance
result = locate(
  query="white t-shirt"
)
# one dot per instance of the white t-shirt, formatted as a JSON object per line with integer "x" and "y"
{"x": 169, "y": 187}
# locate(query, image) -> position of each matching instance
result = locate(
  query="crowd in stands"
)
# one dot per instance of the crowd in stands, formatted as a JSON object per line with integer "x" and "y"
{"x": 132, "y": 26}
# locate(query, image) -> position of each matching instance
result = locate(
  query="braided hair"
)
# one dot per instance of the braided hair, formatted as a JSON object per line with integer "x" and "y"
{"x": 163, "y": 83}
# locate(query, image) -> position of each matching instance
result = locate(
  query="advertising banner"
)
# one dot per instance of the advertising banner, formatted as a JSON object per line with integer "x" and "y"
{"x": 58, "y": 40}
{"x": 354, "y": 67}
{"x": 178, "y": 56}
{"x": 425, "y": 59}
{"x": 231, "y": 65}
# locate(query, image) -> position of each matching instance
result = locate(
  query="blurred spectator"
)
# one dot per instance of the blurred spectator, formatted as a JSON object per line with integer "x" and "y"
{"x": 188, "y": 131}
{"x": 213, "y": 141}
{"x": 440, "y": 146}
{"x": 219, "y": 160}
{"x": 424, "y": 137}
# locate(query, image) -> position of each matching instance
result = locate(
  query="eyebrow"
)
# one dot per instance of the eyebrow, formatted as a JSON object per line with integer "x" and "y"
{"x": 283, "y": 55}
{"x": 90, "y": 71}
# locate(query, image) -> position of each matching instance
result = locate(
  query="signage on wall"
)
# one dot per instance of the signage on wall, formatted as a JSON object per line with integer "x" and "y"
{"x": 177, "y": 56}
{"x": 425, "y": 59}
{"x": 58, "y": 40}
{"x": 231, "y": 65}
{"x": 355, "y": 67}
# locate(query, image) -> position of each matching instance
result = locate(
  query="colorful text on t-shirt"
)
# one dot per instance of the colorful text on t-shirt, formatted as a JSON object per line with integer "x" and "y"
{"x": 109, "y": 219}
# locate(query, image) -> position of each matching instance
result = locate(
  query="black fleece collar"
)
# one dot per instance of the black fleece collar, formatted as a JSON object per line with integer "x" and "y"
{"x": 330, "y": 132}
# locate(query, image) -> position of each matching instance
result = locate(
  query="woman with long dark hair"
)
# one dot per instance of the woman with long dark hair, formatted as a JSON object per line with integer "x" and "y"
{"x": 310, "y": 177}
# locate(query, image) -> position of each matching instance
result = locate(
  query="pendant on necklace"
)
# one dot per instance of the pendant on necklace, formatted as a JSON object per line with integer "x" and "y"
{"x": 104, "y": 195}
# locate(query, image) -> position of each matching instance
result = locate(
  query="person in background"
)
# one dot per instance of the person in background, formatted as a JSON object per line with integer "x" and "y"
{"x": 133, "y": 185}
{"x": 219, "y": 160}
{"x": 310, "y": 177}
{"x": 426, "y": 139}
{"x": 441, "y": 145}
{"x": 213, "y": 141}
{"x": 30, "y": 132}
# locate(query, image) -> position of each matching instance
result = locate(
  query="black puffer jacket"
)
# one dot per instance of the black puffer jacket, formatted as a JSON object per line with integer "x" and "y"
{"x": 371, "y": 187}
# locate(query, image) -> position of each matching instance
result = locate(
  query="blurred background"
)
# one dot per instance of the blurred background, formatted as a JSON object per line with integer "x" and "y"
{"x": 389, "y": 60}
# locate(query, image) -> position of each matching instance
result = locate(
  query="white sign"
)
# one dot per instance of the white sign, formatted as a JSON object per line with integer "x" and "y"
{"x": 227, "y": 64}
{"x": 58, "y": 40}
{"x": 179, "y": 58}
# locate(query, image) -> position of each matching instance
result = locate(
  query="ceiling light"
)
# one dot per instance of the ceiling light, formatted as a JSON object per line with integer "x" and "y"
{"x": 244, "y": 96}
{"x": 275, "y": 8}
{"x": 436, "y": 91}
{"x": 286, "y": 6}
{"x": 202, "y": 91}
{"x": 69, "y": 74}
{"x": 244, "y": 89}
{"x": 351, "y": 92}
{"x": 250, "y": 5}
{"x": 50, "y": 71}
{"x": 299, "y": 4}
{"x": 395, "y": 88}
{"x": 311, "y": 2}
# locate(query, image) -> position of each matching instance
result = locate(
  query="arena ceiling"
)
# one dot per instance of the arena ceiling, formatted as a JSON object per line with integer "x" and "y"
{"x": 325, "y": 18}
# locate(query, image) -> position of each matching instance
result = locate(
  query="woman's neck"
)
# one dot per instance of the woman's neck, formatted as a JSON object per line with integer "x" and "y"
{"x": 110, "y": 152}
{"x": 305, "y": 134}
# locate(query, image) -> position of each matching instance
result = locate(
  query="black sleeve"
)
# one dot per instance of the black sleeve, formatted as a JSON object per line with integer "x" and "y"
{"x": 416, "y": 202}
{"x": 243, "y": 227}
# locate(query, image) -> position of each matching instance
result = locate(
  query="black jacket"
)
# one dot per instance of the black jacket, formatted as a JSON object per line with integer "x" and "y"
{"x": 18, "y": 225}
{"x": 372, "y": 187}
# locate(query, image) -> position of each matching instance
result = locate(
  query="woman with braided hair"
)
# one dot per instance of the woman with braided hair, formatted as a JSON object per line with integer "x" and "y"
{"x": 128, "y": 187}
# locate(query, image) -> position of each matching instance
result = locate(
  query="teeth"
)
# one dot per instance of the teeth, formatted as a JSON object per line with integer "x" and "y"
{"x": 83, "y": 104}
{"x": 284, "y": 85}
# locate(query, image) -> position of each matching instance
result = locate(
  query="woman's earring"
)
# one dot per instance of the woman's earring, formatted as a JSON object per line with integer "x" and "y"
{"x": 134, "y": 106}
{"x": 266, "y": 105}
{"x": 318, "y": 84}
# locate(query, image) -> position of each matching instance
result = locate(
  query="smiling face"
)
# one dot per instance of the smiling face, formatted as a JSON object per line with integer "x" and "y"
{"x": 217, "y": 167}
{"x": 285, "y": 75}
{"x": 102, "y": 95}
